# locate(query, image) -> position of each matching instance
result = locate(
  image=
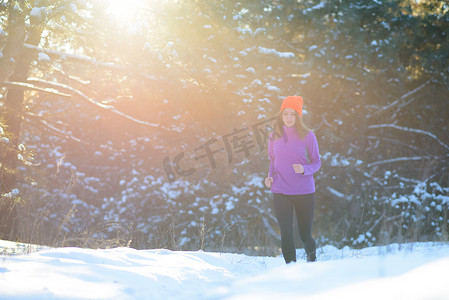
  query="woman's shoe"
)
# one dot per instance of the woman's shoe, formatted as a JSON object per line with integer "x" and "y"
{"x": 311, "y": 257}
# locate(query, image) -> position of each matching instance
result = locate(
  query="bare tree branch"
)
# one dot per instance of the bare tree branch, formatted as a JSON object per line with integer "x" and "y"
{"x": 377, "y": 222}
{"x": 29, "y": 86}
{"x": 56, "y": 87}
{"x": 410, "y": 180}
{"x": 429, "y": 134}
{"x": 339, "y": 194}
{"x": 399, "y": 108}
{"x": 64, "y": 135}
{"x": 377, "y": 139}
{"x": 70, "y": 77}
{"x": 397, "y": 101}
{"x": 398, "y": 159}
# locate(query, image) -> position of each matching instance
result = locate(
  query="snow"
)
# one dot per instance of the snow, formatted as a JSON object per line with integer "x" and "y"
{"x": 316, "y": 7}
{"x": 11, "y": 194}
{"x": 38, "y": 12}
{"x": 339, "y": 194}
{"x": 259, "y": 30}
{"x": 43, "y": 57}
{"x": 396, "y": 271}
{"x": 263, "y": 50}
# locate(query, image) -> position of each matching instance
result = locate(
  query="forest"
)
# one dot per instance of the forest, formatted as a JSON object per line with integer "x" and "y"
{"x": 145, "y": 123}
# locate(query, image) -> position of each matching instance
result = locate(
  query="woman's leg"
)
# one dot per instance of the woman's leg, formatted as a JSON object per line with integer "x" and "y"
{"x": 283, "y": 207}
{"x": 305, "y": 208}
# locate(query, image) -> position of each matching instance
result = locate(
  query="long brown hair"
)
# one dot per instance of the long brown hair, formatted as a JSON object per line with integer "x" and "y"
{"x": 301, "y": 128}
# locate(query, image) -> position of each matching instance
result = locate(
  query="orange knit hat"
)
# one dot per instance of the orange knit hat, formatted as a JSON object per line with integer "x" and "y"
{"x": 294, "y": 102}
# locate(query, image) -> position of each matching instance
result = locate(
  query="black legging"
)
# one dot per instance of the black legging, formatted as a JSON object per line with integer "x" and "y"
{"x": 304, "y": 207}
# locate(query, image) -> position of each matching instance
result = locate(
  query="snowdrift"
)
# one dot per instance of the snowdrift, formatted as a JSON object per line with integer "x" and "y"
{"x": 398, "y": 271}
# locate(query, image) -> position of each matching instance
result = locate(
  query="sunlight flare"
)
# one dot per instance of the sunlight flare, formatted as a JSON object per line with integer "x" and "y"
{"x": 127, "y": 14}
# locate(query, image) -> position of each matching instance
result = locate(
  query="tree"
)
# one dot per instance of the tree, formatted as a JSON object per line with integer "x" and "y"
{"x": 14, "y": 65}
{"x": 152, "y": 127}
{"x": 25, "y": 23}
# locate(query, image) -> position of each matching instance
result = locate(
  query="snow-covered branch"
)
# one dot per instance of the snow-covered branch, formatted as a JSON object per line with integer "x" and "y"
{"x": 79, "y": 58}
{"x": 399, "y": 159}
{"x": 269, "y": 228}
{"x": 397, "y": 101}
{"x": 339, "y": 194}
{"x": 429, "y": 134}
{"x": 65, "y": 135}
{"x": 409, "y": 180}
{"x": 112, "y": 109}
{"x": 53, "y": 54}
{"x": 377, "y": 222}
{"x": 29, "y": 86}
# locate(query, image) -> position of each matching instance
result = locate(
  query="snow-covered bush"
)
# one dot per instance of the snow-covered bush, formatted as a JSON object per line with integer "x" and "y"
{"x": 421, "y": 215}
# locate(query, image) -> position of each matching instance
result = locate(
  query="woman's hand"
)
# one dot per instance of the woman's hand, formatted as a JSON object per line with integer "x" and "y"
{"x": 298, "y": 168}
{"x": 268, "y": 181}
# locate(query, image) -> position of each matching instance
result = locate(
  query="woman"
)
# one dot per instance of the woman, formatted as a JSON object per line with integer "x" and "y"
{"x": 294, "y": 157}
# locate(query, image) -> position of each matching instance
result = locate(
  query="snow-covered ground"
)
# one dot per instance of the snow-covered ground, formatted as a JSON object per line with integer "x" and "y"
{"x": 407, "y": 271}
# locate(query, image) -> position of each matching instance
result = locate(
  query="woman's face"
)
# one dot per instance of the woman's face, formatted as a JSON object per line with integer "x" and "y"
{"x": 289, "y": 117}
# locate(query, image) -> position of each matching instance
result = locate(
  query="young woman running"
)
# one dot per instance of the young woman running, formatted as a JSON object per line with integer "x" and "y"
{"x": 294, "y": 158}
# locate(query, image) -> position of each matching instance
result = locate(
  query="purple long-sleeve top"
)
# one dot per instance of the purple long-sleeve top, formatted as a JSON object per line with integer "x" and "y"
{"x": 288, "y": 150}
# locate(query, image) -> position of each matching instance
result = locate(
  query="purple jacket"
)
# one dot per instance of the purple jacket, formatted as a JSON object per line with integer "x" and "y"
{"x": 288, "y": 150}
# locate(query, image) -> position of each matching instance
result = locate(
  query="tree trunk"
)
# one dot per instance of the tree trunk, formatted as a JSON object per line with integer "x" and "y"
{"x": 13, "y": 114}
{"x": 14, "y": 43}
{"x": 11, "y": 53}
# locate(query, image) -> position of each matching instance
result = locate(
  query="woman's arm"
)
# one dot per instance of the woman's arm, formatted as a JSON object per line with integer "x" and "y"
{"x": 271, "y": 157}
{"x": 314, "y": 155}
